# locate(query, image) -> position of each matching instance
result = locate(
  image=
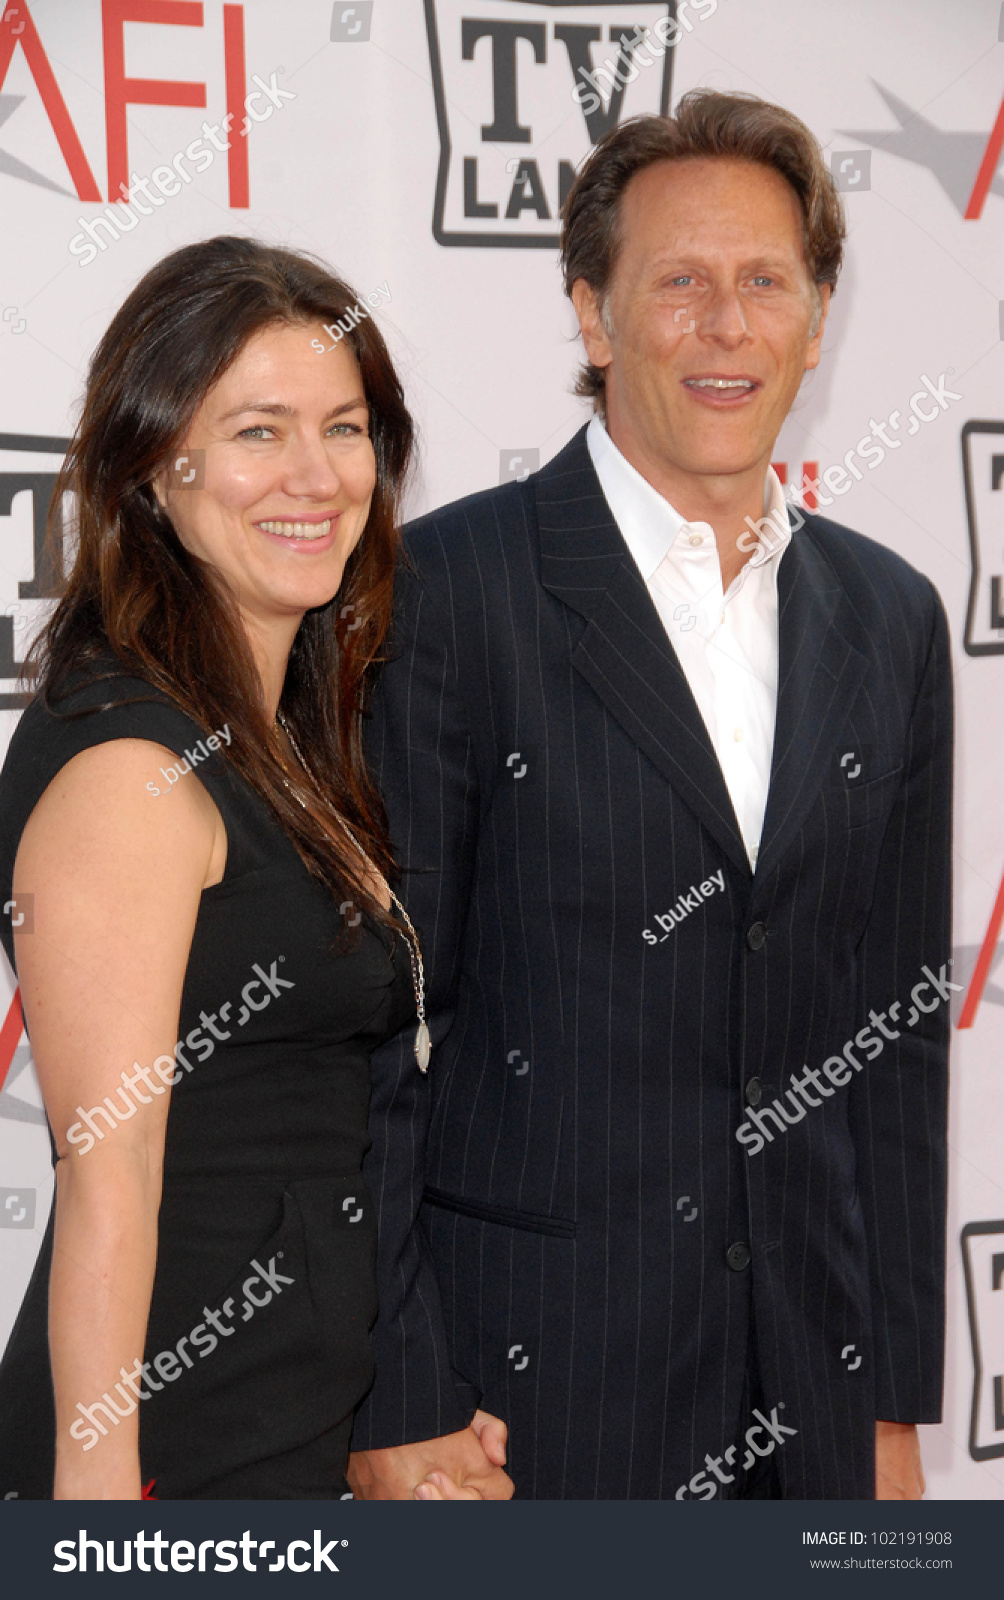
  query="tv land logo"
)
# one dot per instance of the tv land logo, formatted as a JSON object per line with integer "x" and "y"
{"x": 517, "y": 109}
{"x": 983, "y": 1262}
{"x": 28, "y": 577}
{"x": 983, "y": 473}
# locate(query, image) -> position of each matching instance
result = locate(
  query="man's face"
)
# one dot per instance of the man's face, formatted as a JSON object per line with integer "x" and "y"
{"x": 711, "y": 310}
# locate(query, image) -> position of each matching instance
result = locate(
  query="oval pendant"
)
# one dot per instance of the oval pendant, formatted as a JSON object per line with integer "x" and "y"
{"x": 423, "y": 1047}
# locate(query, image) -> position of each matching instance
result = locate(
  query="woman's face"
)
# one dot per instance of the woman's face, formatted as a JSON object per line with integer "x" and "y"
{"x": 288, "y": 475}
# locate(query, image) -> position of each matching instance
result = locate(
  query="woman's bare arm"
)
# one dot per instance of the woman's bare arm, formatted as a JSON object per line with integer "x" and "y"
{"x": 116, "y": 873}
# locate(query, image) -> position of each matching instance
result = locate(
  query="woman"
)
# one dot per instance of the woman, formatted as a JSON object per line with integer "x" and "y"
{"x": 216, "y": 950}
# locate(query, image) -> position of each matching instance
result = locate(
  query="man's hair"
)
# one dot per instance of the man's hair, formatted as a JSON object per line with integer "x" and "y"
{"x": 708, "y": 122}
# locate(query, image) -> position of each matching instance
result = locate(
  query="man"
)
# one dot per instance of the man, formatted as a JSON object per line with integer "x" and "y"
{"x": 668, "y": 767}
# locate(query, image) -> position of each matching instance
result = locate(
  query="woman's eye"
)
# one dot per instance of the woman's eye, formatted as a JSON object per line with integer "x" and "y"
{"x": 257, "y": 432}
{"x": 345, "y": 428}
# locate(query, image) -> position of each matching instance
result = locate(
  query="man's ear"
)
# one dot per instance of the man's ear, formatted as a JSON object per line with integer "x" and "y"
{"x": 594, "y": 334}
{"x": 815, "y": 345}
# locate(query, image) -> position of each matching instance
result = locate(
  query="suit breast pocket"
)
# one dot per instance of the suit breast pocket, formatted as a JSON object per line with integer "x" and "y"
{"x": 866, "y": 805}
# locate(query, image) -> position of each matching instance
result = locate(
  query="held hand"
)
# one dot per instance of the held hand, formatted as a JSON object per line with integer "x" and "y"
{"x": 898, "y": 1471}
{"x": 494, "y": 1436}
{"x": 466, "y": 1466}
{"x": 437, "y": 1486}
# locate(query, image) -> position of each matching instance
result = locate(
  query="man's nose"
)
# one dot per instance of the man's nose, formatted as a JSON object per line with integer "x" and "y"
{"x": 722, "y": 318}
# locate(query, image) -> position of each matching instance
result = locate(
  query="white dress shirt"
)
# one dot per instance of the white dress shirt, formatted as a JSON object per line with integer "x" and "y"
{"x": 726, "y": 643}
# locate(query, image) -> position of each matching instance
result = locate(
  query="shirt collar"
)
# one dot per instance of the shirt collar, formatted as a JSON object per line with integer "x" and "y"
{"x": 649, "y": 524}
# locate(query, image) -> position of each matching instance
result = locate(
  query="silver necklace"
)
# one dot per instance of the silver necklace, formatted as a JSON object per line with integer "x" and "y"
{"x": 423, "y": 1039}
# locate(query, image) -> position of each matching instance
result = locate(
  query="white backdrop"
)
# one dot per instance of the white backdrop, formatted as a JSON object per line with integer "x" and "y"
{"x": 371, "y": 150}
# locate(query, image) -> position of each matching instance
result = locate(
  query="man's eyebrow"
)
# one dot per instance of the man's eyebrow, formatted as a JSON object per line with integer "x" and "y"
{"x": 684, "y": 260}
{"x": 271, "y": 408}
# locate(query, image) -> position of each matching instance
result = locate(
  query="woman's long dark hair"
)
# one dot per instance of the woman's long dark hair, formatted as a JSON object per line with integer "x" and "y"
{"x": 137, "y": 594}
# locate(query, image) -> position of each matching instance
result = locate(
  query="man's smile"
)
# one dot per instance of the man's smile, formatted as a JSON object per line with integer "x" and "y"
{"x": 722, "y": 389}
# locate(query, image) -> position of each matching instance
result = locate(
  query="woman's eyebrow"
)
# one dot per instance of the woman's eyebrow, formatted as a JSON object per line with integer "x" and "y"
{"x": 274, "y": 409}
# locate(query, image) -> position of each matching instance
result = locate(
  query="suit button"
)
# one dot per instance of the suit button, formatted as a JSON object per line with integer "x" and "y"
{"x": 756, "y": 936}
{"x": 754, "y": 1092}
{"x": 738, "y": 1256}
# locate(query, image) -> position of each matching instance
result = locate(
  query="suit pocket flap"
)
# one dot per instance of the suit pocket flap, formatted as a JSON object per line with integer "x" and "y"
{"x": 530, "y": 1221}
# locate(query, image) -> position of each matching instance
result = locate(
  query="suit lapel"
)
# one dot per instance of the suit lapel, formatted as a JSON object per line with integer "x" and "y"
{"x": 623, "y": 652}
{"x": 819, "y": 673}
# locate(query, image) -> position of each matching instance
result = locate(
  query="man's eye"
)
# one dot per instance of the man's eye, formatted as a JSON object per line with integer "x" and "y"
{"x": 680, "y": 282}
{"x": 763, "y": 281}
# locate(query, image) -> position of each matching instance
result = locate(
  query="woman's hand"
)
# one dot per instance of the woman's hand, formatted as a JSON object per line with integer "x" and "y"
{"x": 466, "y": 1465}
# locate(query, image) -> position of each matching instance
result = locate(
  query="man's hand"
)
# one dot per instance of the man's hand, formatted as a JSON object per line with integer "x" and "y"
{"x": 459, "y": 1466}
{"x": 898, "y": 1472}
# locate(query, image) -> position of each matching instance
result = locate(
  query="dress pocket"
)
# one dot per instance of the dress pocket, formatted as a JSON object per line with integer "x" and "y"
{"x": 274, "y": 1357}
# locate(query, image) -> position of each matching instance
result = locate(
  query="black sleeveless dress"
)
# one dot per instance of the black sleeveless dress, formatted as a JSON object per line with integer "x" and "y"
{"x": 257, "y": 1346}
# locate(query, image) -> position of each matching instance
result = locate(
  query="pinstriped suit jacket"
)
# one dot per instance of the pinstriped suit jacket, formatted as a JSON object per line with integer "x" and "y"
{"x": 552, "y": 791}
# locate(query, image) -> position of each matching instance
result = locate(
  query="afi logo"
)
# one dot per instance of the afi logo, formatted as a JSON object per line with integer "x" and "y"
{"x": 18, "y": 31}
{"x": 964, "y": 164}
{"x": 522, "y": 93}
